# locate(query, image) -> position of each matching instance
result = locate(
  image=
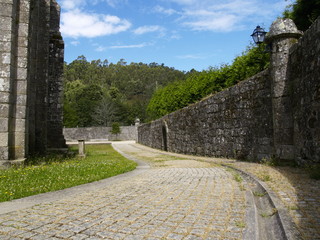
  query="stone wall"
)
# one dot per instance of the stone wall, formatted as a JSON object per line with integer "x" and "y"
{"x": 30, "y": 105}
{"x": 223, "y": 125}
{"x": 304, "y": 72}
{"x": 100, "y": 133}
{"x": 273, "y": 114}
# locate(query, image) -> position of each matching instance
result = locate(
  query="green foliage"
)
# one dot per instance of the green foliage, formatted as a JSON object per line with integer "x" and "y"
{"x": 98, "y": 93}
{"x": 54, "y": 173}
{"x": 80, "y": 102}
{"x": 115, "y": 129}
{"x": 198, "y": 85}
{"x": 303, "y": 13}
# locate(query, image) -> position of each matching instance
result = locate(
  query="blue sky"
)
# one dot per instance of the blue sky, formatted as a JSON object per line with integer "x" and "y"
{"x": 183, "y": 34}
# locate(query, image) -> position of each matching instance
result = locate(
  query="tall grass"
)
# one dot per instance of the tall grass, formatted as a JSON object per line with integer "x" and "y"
{"x": 40, "y": 175}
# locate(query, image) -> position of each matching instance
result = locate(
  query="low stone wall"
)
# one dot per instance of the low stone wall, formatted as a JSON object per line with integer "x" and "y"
{"x": 100, "y": 133}
{"x": 236, "y": 122}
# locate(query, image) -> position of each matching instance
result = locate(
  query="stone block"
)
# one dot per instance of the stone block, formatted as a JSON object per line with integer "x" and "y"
{"x": 22, "y": 52}
{"x": 20, "y": 112}
{"x": 24, "y": 17}
{"x": 4, "y": 153}
{"x": 4, "y": 124}
{"x": 5, "y": 23}
{"x": 4, "y": 110}
{"x": 4, "y": 97}
{"x": 5, "y": 36}
{"x": 22, "y": 62}
{"x": 21, "y": 87}
{"x": 20, "y": 125}
{"x": 5, "y": 46}
{"x": 4, "y": 84}
{"x": 3, "y": 139}
{"x": 23, "y": 29}
{"x": 5, "y": 58}
{"x": 6, "y": 9}
{"x": 19, "y": 138}
{"x": 5, "y": 70}
{"x": 18, "y": 151}
{"x": 22, "y": 100}
{"x": 22, "y": 73}
{"x": 22, "y": 41}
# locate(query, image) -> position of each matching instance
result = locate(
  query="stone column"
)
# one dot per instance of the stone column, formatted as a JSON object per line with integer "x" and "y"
{"x": 14, "y": 21}
{"x": 282, "y": 35}
{"x": 55, "y": 138}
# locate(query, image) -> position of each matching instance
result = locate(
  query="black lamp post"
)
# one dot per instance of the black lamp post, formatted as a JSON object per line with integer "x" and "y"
{"x": 258, "y": 35}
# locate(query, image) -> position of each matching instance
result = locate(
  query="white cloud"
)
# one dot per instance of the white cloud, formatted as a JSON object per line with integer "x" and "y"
{"x": 75, "y": 43}
{"x": 148, "y": 29}
{"x": 221, "y": 15}
{"x": 72, "y": 4}
{"x": 166, "y": 11}
{"x": 210, "y": 21}
{"x": 185, "y": 2}
{"x": 75, "y": 23}
{"x": 191, "y": 56}
{"x": 115, "y": 3}
{"x": 130, "y": 46}
{"x": 101, "y": 49}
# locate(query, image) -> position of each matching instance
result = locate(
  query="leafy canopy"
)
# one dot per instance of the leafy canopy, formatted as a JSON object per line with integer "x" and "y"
{"x": 198, "y": 85}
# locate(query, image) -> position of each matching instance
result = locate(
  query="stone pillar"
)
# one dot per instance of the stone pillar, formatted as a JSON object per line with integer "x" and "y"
{"x": 30, "y": 42}
{"x": 14, "y": 22}
{"x": 55, "y": 138}
{"x": 82, "y": 148}
{"x": 282, "y": 35}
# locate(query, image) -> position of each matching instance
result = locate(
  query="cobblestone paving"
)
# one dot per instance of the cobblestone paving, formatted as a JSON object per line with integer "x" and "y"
{"x": 293, "y": 186}
{"x": 171, "y": 201}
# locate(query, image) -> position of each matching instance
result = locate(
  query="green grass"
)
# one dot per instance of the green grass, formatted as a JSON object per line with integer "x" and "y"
{"x": 240, "y": 224}
{"x": 40, "y": 175}
{"x": 259, "y": 194}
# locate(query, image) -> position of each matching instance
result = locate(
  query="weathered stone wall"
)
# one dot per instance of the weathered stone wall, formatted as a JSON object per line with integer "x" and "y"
{"x": 30, "y": 105}
{"x": 304, "y": 73}
{"x": 100, "y": 133}
{"x": 14, "y": 19}
{"x": 55, "y": 84}
{"x": 273, "y": 114}
{"x": 223, "y": 125}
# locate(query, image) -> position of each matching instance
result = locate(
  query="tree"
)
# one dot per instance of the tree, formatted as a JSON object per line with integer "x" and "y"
{"x": 86, "y": 103}
{"x": 104, "y": 113}
{"x": 179, "y": 94}
{"x": 128, "y": 86}
{"x": 115, "y": 129}
{"x": 303, "y": 13}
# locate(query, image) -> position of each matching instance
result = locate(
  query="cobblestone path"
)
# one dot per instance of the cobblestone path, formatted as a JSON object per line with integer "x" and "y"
{"x": 179, "y": 199}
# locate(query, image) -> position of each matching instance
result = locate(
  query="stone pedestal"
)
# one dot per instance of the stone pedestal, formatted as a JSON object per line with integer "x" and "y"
{"x": 82, "y": 148}
{"x": 282, "y": 35}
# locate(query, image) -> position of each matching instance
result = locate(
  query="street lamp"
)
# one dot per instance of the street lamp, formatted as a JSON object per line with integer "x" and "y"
{"x": 258, "y": 35}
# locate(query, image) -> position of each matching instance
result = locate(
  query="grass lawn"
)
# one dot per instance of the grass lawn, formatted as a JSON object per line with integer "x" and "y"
{"x": 46, "y": 174}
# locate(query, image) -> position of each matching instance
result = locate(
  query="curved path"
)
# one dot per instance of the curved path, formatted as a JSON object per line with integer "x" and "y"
{"x": 174, "y": 198}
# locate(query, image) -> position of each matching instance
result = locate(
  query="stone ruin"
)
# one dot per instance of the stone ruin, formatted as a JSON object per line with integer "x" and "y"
{"x": 31, "y": 69}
